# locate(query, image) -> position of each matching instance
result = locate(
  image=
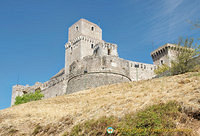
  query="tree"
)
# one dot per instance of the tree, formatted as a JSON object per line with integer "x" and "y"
{"x": 29, "y": 97}
{"x": 186, "y": 53}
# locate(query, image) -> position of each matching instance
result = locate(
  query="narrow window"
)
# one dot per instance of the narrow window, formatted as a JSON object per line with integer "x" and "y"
{"x": 92, "y": 28}
{"x": 161, "y": 62}
{"x": 141, "y": 66}
{"x": 76, "y": 28}
{"x": 144, "y": 66}
{"x": 92, "y": 46}
{"x": 108, "y": 51}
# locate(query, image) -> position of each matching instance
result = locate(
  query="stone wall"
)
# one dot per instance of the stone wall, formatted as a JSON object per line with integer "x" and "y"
{"x": 55, "y": 90}
{"x": 94, "y": 71}
{"x": 54, "y": 87}
{"x": 104, "y": 49}
{"x": 93, "y": 80}
{"x": 107, "y": 63}
{"x": 141, "y": 71}
{"x": 19, "y": 90}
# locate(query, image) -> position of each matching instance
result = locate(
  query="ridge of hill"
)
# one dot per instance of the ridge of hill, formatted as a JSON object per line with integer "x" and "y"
{"x": 58, "y": 115}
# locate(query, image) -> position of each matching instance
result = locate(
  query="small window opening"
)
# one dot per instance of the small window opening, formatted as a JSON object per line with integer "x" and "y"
{"x": 92, "y": 46}
{"x": 141, "y": 66}
{"x": 92, "y": 28}
{"x": 162, "y": 62}
{"x": 136, "y": 65}
{"x": 76, "y": 28}
{"x": 108, "y": 51}
{"x": 85, "y": 71}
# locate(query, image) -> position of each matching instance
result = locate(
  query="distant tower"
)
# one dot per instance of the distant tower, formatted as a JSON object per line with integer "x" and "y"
{"x": 164, "y": 54}
{"x": 82, "y": 37}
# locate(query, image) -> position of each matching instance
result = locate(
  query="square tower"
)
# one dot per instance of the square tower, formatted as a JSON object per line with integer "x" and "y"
{"x": 82, "y": 37}
{"x": 85, "y": 28}
{"x": 164, "y": 54}
{"x": 168, "y": 52}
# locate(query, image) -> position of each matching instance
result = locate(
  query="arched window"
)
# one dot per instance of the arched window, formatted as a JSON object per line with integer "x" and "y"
{"x": 92, "y": 46}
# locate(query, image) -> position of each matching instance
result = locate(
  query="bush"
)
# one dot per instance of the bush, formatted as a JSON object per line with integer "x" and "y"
{"x": 161, "y": 69}
{"x": 28, "y": 97}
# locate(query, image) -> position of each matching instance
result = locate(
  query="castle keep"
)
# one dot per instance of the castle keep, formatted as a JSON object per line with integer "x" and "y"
{"x": 91, "y": 62}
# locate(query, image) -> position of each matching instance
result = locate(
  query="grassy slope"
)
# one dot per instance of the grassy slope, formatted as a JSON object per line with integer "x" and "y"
{"x": 60, "y": 114}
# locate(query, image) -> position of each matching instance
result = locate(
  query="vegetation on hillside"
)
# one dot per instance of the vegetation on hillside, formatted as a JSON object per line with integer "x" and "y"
{"x": 154, "y": 120}
{"x": 29, "y": 97}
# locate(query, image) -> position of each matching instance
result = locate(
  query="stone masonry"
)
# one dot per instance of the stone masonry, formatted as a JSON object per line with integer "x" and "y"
{"x": 91, "y": 62}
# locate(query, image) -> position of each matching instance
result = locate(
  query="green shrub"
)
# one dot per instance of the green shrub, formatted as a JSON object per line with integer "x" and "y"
{"x": 154, "y": 120}
{"x": 29, "y": 97}
{"x": 156, "y": 117}
{"x": 161, "y": 69}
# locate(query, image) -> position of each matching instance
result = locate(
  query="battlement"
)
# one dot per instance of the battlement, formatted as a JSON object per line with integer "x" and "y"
{"x": 79, "y": 38}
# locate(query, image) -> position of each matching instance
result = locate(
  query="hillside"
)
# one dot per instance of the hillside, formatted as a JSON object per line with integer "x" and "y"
{"x": 58, "y": 115}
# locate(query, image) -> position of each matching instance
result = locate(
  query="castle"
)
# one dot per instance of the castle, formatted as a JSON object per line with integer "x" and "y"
{"x": 91, "y": 62}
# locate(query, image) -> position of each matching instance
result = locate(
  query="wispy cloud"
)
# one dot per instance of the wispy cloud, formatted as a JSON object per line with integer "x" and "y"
{"x": 169, "y": 19}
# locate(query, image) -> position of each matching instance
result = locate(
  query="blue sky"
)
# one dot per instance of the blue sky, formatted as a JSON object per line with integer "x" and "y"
{"x": 33, "y": 33}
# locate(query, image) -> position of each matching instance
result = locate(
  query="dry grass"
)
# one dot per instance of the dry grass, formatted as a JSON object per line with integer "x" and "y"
{"x": 116, "y": 99}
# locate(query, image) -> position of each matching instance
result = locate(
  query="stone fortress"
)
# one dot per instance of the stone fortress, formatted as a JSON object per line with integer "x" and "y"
{"x": 91, "y": 62}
